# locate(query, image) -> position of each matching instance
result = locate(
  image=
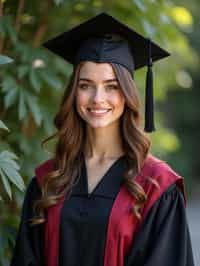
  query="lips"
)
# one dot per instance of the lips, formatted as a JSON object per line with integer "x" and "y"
{"x": 98, "y": 111}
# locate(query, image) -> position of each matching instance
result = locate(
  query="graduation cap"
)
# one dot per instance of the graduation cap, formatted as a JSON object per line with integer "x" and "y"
{"x": 103, "y": 38}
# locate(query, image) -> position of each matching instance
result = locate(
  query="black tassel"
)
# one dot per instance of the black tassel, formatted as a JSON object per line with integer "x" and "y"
{"x": 149, "y": 102}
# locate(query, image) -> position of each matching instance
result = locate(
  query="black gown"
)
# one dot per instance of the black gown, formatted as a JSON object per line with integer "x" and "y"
{"x": 163, "y": 238}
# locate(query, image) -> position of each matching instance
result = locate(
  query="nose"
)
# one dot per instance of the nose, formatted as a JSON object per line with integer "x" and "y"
{"x": 98, "y": 95}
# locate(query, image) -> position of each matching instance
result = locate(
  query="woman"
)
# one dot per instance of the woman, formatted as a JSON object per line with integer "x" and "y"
{"x": 103, "y": 199}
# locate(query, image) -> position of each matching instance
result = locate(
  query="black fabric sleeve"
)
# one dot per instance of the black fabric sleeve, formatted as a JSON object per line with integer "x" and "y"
{"x": 163, "y": 238}
{"x": 28, "y": 250}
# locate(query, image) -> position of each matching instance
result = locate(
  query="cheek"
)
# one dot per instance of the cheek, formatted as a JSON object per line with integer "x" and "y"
{"x": 81, "y": 99}
{"x": 118, "y": 101}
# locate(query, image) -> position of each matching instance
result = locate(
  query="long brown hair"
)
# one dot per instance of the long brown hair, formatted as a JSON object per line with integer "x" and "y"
{"x": 71, "y": 135}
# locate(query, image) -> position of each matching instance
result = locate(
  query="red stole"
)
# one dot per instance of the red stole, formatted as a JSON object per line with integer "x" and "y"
{"x": 122, "y": 225}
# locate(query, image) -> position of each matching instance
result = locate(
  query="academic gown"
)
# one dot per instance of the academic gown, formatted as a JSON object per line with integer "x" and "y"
{"x": 163, "y": 238}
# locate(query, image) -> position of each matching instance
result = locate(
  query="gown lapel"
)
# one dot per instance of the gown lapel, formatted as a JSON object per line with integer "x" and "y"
{"x": 109, "y": 184}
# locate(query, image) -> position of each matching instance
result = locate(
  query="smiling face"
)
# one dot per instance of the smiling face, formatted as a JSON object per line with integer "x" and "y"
{"x": 99, "y": 98}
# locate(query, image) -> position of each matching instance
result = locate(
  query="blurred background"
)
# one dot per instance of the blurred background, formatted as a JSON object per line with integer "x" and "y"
{"x": 32, "y": 81}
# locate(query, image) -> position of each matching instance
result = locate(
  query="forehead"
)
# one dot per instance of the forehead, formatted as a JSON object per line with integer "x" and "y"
{"x": 96, "y": 71}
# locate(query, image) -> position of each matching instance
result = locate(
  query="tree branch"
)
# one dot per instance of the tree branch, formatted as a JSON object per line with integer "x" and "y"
{"x": 39, "y": 34}
{"x": 43, "y": 25}
{"x": 18, "y": 15}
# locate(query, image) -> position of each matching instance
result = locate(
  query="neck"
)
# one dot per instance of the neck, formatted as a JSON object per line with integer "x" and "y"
{"x": 103, "y": 143}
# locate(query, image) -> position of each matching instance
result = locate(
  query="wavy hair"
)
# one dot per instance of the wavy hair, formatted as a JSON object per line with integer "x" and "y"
{"x": 71, "y": 135}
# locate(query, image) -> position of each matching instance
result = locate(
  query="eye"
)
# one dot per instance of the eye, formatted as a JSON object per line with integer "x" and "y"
{"x": 83, "y": 86}
{"x": 112, "y": 87}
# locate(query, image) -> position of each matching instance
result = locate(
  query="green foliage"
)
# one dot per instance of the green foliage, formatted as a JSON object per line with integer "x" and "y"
{"x": 5, "y": 60}
{"x": 3, "y": 126}
{"x": 8, "y": 166}
{"x": 9, "y": 172}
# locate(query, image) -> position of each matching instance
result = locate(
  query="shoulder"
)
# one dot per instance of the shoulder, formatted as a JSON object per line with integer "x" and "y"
{"x": 159, "y": 167}
{"x": 168, "y": 207}
{"x": 162, "y": 172}
{"x": 170, "y": 203}
{"x": 161, "y": 176}
{"x": 172, "y": 193}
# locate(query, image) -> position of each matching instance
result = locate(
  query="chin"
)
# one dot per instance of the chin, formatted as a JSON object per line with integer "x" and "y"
{"x": 100, "y": 124}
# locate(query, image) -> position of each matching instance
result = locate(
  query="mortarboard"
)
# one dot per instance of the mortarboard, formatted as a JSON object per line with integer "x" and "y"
{"x": 103, "y": 38}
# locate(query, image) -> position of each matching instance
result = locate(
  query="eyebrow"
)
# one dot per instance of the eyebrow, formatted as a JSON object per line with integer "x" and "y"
{"x": 91, "y": 81}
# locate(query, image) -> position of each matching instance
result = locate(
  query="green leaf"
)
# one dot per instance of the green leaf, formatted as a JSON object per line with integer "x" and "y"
{"x": 35, "y": 80}
{"x": 5, "y": 60}
{"x": 9, "y": 171}
{"x": 3, "y": 126}
{"x": 12, "y": 175}
{"x": 6, "y": 184}
{"x": 22, "y": 110}
{"x": 34, "y": 108}
{"x": 10, "y": 98}
{"x": 8, "y": 154}
{"x": 48, "y": 125}
{"x": 11, "y": 31}
{"x": 22, "y": 71}
{"x": 24, "y": 51}
{"x": 51, "y": 79}
{"x": 8, "y": 84}
{"x": 62, "y": 67}
{"x": 9, "y": 157}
